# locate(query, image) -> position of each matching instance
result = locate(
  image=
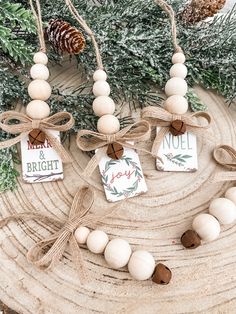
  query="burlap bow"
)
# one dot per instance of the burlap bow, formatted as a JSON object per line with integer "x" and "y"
{"x": 46, "y": 253}
{"x": 89, "y": 140}
{"x": 24, "y": 125}
{"x": 225, "y": 156}
{"x": 158, "y": 116}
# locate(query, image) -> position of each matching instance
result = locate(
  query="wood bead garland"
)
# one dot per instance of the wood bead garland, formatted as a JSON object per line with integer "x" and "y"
{"x": 141, "y": 265}
{"x": 39, "y": 71}
{"x": 176, "y": 104}
{"x": 81, "y": 234}
{"x": 206, "y": 226}
{"x": 117, "y": 253}
{"x": 37, "y": 109}
{"x": 99, "y": 75}
{"x": 224, "y": 210}
{"x": 178, "y": 70}
{"x": 103, "y": 105}
{"x": 97, "y": 241}
{"x": 101, "y": 88}
{"x": 176, "y": 86}
{"x": 178, "y": 57}
{"x": 39, "y": 90}
{"x": 231, "y": 194}
{"x": 40, "y": 57}
{"x": 108, "y": 124}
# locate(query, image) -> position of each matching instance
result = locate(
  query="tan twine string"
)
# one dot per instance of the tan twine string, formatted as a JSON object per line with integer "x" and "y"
{"x": 39, "y": 23}
{"x": 157, "y": 116}
{"x": 46, "y": 253}
{"x": 225, "y": 156}
{"x": 87, "y": 29}
{"x": 24, "y": 125}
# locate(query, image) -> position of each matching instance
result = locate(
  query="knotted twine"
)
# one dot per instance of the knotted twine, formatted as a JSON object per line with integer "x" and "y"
{"x": 24, "y": 125}
{"x": 128, "y": 137}
{"x": 47, "y": 253}
{"x": 225, "y": 156}
{"x": 158, "y": 116}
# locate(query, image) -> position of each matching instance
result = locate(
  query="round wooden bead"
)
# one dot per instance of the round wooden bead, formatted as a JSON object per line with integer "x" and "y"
{"x": 40, "y": 57}
{"x": 176, "y": 104}
{"x": 177, "y": 128}
{"x": 178, "y": 57}
{"x": 190, "y": 239}
{"x": 108, "y": 124}
{"x": 103, "y": 105}
{"x": 81, "y": 234}
{"x": 223, "y": 209}
{"x": 206, "y": 226}
{"x": 162, "y": 274}
{"x": 178, "y": 70}
{"x": 101, "y": 88}
{"x": 97, "y": 241}
{"x": 37, "y": 137}
{"x": 99, "y": 75}
{"x": 231, "y": 194}
{"x": 37, "y": 109}
{"x": 39, "y": 89}
{"x": 176, "y": 86}
{"x": 141, "y": 265}
{"x": 117, "y": 253}
{"x": 39, "y": 71}
{"x": 115, "y": 151}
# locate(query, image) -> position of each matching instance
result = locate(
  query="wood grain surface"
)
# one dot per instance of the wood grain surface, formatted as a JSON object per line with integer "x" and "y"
{"x": 204, "y": 280}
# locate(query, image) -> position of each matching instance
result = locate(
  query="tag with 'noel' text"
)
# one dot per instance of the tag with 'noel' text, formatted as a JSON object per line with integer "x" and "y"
{"x": 122, "y": 178}
{"x": 178, "y": 153}
{"x": 40, "y": 163}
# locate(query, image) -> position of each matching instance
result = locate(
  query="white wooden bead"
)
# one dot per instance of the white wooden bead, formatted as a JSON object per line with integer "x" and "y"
{"x": 176, "y": 104}
{"x": 39, "y": 71}
{"x": 117, "y": 253}
{"x": 176, "y": 86}
{"x": 99, "y": 75}
{"x": 206, "y": 226}
{"x": 40, "y": 57}
{"x": 231, "y": 194}
{"x": 103, "y": 105}
{"x": 97, "y": 241}
{"x": 108, "y": 124}
{"x": 81, "y": 234}
{"x": 178, "y": 57}
{"x": 101, "y": 88}
{"x": 39, "y": 89}
{"x": 223, "y": 209}
{"x": 37, "y": 109}
{"x": 141, "y": 265}
{"x": 178, "y": 70}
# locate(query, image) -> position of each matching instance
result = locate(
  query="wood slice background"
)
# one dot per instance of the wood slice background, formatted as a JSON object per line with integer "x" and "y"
{"x": 204, "y": 280}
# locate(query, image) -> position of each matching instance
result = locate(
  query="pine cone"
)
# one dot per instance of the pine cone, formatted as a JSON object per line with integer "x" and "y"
{"x": 199, "y": 10}
{"x": 65, "y": 38}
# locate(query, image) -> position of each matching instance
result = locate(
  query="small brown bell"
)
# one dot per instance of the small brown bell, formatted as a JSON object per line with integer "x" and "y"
{"x": 115, "y": 151}
{"x": 190, "y": 239}
{"x": 177, "y": 127}
{"x": 162, "y": 274}
{"x": 37, "y": 137}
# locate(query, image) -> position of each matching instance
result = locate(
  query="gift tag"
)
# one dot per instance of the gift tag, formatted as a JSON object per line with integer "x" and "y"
{"x": 122, "y": 178}
{"x": 40, "y": 163}
{"x": 178, "y": 153}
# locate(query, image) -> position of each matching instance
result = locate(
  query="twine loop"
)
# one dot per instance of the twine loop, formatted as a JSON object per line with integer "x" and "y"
{"x": 225, "y": 156}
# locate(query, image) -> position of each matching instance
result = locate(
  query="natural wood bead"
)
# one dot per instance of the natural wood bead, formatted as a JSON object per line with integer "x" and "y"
{"x": 39, "y": 71}
{"x": 176, "y": 86}
{"x": 108, "y": 124}
{"x": 231, "y": 194}
{"x": 162, "y": 274}
{"x": 115, "y": 151}
{"x": 37, "y": 109}
{"x": 178, "y": 70}
{"x": 141, "y": 265}
{"x": 40, "y": 57}
{"x": 81, "y": 234}
{"x": 101, "y": 88}
{"x": 178, "y": 57}
{"x": 117, "y": 253}
{"x": 39, "y": 90}
{"x": 97, "y": 241}
{"x": 224, "y": 210}
{"x": 176, "y": 104}
{"x": 190, "y": 239}
{"x": 37, "y": 137}
{"x": 103, "y": 105}
{"x": 177, "y": 128}
{"x": 99, "y": 75}
{"x": 206, "y": 226}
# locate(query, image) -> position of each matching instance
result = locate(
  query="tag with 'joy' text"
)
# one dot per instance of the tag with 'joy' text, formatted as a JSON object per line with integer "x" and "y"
{"x": 40, "y": 163}
{"x": 122, "y": 178}
{"x": 178, "y": 153}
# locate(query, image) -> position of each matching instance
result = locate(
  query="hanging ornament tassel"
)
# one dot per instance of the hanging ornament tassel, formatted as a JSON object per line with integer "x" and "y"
{"x": 198, "y": 10}
{"x": 65, "y": 38}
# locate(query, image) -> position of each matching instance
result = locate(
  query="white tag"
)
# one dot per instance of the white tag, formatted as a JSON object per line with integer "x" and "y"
{"x": 40, "y": 163}
{"x": 178, "y": 153}
{"x": 122, "y": 178}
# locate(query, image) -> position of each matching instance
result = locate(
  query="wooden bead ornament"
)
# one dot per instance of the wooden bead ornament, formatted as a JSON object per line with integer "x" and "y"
{"x": 178, "y": 57}
{"x": 108, "y": 124}
{"x": 97, "y": 241}
{"x": 176, "y": 86}
{"x": 206, "y": 226}
{"x": 178, "y": 70}
{"x": 81, "y": 234}
{"x": 99, "y": 75}
{"x": 141, "y": 265}
{"x": 101, "y": 88}
{"x": 103, "y": 105}
{"x": 37, "y": 109}
{"x": 231, "y": 194}
{"x": 224, "y": 210}
{"x": 40, "y": 57}
{"x": 176, "y": 104}
{"x": 39, "y": 90}
{"x": 39, "y": 71}
{"x": 117, "y": 253}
